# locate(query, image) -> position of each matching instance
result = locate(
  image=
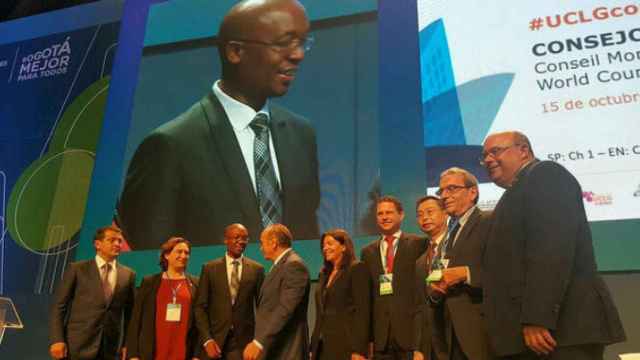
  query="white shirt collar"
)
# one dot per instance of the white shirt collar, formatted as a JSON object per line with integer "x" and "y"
{"x": 396, "y": 235}
{"x": 239, "y": 114}
{"x": 465, "y": 216}
{"x": 280, "y": 256}
{"x": 100, "y": 261}
{"x": 230, "y": 259}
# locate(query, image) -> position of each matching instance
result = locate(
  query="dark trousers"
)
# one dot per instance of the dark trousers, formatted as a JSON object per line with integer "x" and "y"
{"x": 232, "y": 349}
{"x": 392, "y": 351}
{"x": 456, "y": 352}
{"x": 577, "y": 352}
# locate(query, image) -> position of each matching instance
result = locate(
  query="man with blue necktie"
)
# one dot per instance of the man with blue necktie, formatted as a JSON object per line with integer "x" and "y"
{"x": 456, "y": 277}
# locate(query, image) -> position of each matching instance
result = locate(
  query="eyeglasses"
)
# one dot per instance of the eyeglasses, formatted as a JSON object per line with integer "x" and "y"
{"x": 494, "y": 152}
{"x": 283, "y": 46}
{"x": 451, "y": 189}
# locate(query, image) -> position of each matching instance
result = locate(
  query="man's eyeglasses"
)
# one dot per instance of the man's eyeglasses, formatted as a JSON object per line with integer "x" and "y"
{"x": 283, "y": 46}
{"x": 451, "y": 189}
{"x": 494, "y": 152}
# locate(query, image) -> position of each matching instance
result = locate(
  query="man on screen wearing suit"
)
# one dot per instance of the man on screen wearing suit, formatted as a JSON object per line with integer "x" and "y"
{"x": 93, "y": 303}
{"x": 457, "y": 297}
{"x": 543, "y": 294}
{"x": 281, "y": 318}
{"x": 432, "y": 220}
{"x": 226, "y": 298}
{"x": 234, "y": 157}
{"x": 391, "y": 262}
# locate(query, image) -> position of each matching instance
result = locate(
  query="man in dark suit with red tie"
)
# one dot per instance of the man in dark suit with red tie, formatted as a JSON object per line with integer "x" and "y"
{"x": 93, "y": 303}
{"x": 391, "y": 262}
{"x": 226, "y": 297}
{"x": 432, "y": 220}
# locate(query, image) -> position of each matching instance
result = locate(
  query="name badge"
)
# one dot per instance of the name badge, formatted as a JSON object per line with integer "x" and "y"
{"x": 434, "y": 276}
{"x": 385, "y": 284}
{"x": 173, "y": 312}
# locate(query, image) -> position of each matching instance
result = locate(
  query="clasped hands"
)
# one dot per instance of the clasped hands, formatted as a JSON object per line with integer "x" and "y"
{"x": 450, "y": 277}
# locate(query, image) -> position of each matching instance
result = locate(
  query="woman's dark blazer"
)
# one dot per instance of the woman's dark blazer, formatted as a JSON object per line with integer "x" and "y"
{"x": 141, "y": 336}
{"x": 343, "y": 314}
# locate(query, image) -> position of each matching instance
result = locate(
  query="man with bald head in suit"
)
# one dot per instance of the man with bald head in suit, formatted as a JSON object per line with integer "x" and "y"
{"x": 227, "y": 295}
{"x": 234, "y": 157}
{"x": 543, "y": 296}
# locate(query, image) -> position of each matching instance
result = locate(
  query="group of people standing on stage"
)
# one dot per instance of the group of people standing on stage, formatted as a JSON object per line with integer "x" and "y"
{"x": 517, "y": 283}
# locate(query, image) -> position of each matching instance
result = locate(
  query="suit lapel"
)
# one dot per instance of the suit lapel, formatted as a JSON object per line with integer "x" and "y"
{"x": 221, "y": 273}
{"x": 94, "y": 278}
{"x": 464, "y": 232}
{"x": 226, "y": 143}
{"x": 378, "y": 257}
{"x": 285, "y": 150}
{"x": 247, "y": 274}
{"x": 121, "y": 279}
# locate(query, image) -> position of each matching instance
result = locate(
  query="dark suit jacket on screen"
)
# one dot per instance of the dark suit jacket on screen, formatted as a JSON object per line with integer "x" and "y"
{"x": 281, "y": 318}
{"x": 141, "y": 336}
{"x": 189, "y": 178}
{"x": 80, "y": 315}
{"x": 342, "y": 314}
{"x": 461, "y": 309}
{"x": 393, "y": 315}
{"x": 215, "y": 315}
{"x": 540, "y": 268}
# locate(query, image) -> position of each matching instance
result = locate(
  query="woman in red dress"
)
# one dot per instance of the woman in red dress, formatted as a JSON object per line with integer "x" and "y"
{"x": 162, "y": 326}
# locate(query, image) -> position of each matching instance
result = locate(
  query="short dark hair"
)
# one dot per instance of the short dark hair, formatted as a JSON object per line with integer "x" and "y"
{"x": 390, "y": 199}
{"x": 430, "y": 197}
{"x": 341, "y": 236}
{"x": 102, "y": 232}
{"x": 167, "y": 247}
{"x": 282, "y": 234}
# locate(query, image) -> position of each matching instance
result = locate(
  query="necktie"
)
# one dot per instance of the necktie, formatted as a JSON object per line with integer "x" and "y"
{"x": 106, "y": 286}
{"x": 266, "y": 183}
{"x": 234, "y": 285}
{"x": 389, "y": 255}
{"x": 454, "y": 226}
{"x": 431, "y": 253}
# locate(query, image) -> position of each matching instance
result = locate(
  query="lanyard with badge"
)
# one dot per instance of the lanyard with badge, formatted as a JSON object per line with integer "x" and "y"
{"x": 441, "y": 262}
{"x": 386, "y": 279}
{"x": 174, "y": 309}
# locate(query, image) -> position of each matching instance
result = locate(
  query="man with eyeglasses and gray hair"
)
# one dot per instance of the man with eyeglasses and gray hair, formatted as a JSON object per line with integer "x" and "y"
{"x": 456, "y": 277}
{"x": 233, "y": 157}
{"x": 543, "y": 296}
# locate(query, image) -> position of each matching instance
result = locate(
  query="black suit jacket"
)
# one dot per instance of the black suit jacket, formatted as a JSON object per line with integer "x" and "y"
{"x": 460, "y": 311}
{"x": 192, "y": 171}
{"x": 394, "y": 315}
{"x": 281, "y": 318}
{"x": 425, "y": 315}
{"x": 141, "y": 336}
{"x": 215, "y": 315}
{"x": 80, "y": 316}
{"x": 343, "y": 313}
{"x": 540, "y": 268}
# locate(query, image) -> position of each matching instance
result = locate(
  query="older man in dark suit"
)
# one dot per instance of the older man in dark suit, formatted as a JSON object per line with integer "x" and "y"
{"x": 456, "y": 292}
{"x": 233, "y": 157}
{"x": 226, "y": 298}
{"x": 281, "y": 320}
{"x": 93, "y": 303}
{"x": 391, "y": 262}
{"x": 543, "y": 294}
